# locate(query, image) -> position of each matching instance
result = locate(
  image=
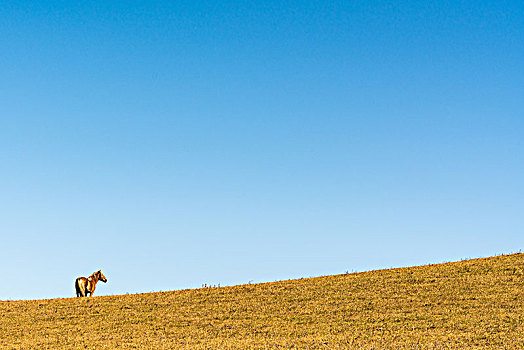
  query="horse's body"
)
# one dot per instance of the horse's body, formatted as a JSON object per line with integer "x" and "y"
{"x": 85, "y": 286}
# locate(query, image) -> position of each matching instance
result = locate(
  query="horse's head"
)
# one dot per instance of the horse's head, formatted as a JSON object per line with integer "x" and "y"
{"x": 101, "y": 276}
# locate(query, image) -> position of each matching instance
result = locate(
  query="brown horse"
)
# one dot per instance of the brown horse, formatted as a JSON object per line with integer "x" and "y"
{"x": 86, "y": 286}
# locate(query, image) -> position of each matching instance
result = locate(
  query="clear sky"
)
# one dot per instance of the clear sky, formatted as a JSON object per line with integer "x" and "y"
{"x": 173, "y": 143}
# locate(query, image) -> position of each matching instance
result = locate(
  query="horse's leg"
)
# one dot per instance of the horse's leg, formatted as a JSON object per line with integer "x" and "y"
{"x": 93, "y": 286}
{"x": 83, "y": 288}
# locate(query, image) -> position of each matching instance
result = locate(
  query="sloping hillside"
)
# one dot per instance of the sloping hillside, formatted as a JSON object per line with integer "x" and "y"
{"x": 469, "y": 304}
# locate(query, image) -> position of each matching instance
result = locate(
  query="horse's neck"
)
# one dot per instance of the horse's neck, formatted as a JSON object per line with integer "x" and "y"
{"x": 93, "y": 278}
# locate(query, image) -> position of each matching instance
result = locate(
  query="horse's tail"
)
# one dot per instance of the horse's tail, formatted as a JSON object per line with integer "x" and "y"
{"x": 77, "y": 288}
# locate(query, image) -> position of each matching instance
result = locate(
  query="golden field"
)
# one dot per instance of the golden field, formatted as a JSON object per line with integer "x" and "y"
{"x": 468, "y": 304}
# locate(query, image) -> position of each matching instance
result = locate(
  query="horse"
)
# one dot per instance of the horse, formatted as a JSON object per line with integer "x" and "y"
{"x": 86, "y": 286}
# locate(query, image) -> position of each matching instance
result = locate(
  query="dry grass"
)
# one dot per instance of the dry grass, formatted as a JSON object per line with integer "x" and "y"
{"x": 468, "y": 304}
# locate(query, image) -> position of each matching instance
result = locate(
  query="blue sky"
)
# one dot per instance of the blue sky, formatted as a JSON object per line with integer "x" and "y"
{"x": 172, "y": 144}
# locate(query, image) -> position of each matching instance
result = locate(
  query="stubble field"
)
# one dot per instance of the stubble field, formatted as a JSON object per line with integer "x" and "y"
{"x": 467, "y": 304}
